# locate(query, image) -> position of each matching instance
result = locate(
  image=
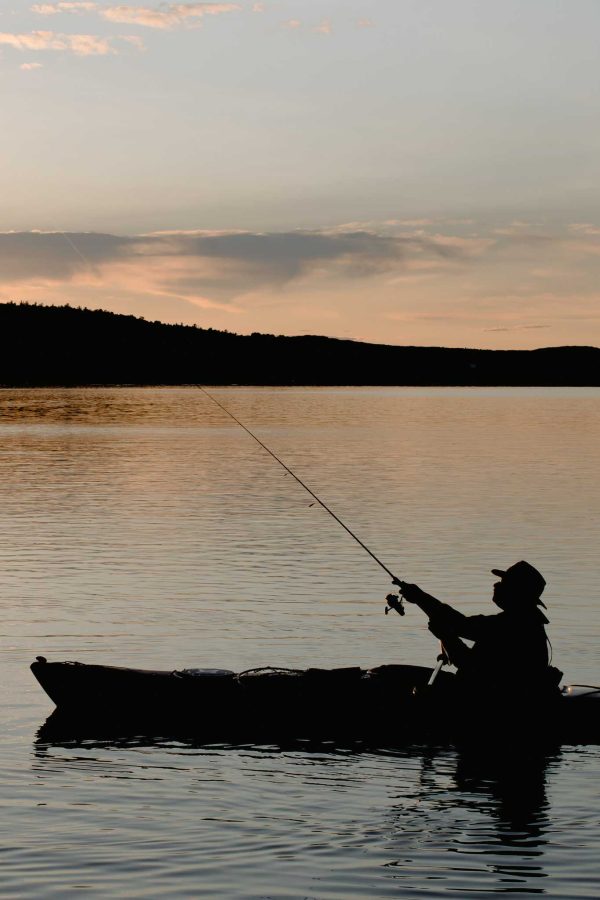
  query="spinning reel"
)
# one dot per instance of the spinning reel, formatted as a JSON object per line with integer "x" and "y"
{"x": 394, "y": 602}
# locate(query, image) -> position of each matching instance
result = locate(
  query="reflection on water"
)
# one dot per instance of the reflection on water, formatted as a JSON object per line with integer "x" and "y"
{"x": 488, "y": 804}
{"x": 475, "y": 819}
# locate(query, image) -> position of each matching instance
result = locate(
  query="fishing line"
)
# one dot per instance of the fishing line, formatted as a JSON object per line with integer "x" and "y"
{"x": 299, "y": 480}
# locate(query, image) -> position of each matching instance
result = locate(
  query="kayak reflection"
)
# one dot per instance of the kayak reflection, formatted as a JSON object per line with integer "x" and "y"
{"x": 468, "y": 817}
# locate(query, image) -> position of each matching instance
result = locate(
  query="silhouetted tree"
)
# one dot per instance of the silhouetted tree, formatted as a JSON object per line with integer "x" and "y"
{"x": 52, "y": 345}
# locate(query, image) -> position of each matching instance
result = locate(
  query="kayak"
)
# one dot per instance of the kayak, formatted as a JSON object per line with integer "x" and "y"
{"x": 220, "y": 701}
{"x": 381, "y": 704}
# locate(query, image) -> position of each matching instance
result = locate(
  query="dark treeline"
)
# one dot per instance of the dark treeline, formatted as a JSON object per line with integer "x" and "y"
{"x": 64, "y": 345}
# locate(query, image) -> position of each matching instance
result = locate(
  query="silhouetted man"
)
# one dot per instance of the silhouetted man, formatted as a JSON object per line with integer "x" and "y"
{"x": 510, "y": 648}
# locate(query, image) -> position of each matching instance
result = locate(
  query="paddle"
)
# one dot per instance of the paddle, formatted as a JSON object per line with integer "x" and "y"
{"x": 442, "y": 660}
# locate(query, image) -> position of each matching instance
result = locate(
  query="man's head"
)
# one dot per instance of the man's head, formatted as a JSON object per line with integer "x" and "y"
{"x": 519, "y": 584}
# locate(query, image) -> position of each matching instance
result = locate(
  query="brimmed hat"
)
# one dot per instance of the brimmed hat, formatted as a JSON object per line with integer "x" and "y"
{"x": 525, "y": 577}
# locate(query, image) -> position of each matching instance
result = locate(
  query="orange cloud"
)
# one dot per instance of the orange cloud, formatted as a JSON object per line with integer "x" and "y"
{"x": 166, "y": 17}
{"x": 52, "y": 9}
{"x": 78, "y": 44}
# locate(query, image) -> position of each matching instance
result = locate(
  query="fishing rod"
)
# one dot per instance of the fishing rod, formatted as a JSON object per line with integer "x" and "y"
{"x": 394, "y": 602}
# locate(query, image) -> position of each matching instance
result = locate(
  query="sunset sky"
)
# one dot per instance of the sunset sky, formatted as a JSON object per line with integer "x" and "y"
{"x": 401, "y": 171}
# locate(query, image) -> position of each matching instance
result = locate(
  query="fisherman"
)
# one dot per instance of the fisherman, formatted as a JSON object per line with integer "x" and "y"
{"x": 510, "y": 649}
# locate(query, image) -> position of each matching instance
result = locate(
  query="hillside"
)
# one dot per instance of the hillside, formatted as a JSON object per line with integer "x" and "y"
{"x": 51, "y": 345}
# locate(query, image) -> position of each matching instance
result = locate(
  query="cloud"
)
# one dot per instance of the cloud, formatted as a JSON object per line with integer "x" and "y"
{"x": 78, "y": 44}
{"x": 28, "y": 67}
{"x": 414, "y": 223}
{"x": 449, "y": 244}
{"x": 54, "y": 255}
{"x": 365, "y": 23}
{"x": 516, "y": 328}
{"x": 518, "y": 228}
{"x": 165, "y": 17}
{"x": 324, "y": 27}
{"x": 52, "y": 9}
{"x": 219, "y": 267}
{"x": 584, "y": 228}
{"x": 215, "y": 265}
{"x": 292, "y": 24}
{"x": 87, "y": 45}
{"x": 132, "y": 39}
{"x": 258, "y": 8}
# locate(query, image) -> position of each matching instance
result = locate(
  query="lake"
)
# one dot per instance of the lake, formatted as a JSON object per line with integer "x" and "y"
{"x": 142, "y": 527}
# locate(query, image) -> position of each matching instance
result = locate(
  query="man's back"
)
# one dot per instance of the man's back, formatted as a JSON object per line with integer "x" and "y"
{"x": 510, "y": 651}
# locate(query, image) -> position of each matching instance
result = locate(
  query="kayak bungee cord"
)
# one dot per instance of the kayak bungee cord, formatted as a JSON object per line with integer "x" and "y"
{"x": 394, "y": 602}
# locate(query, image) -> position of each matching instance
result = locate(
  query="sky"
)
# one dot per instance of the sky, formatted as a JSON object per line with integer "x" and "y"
{"x": 399, "y": 171}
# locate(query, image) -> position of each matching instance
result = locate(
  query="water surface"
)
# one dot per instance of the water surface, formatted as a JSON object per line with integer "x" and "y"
{"x": 142, "y": 527}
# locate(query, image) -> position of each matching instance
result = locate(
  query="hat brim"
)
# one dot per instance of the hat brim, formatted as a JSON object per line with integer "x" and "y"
{"x": 501, "y": 573}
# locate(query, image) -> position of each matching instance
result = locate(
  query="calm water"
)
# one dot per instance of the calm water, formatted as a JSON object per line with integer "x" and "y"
{"x": 141, "y": 527}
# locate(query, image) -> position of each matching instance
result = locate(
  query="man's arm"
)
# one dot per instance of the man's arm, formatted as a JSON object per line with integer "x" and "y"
{"x": 412, "y": 593}
{"x": 443, "y": 616}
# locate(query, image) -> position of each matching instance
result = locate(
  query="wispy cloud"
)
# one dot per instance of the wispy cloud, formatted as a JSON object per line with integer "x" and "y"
{"x": 258, "y": 8}
{"x": 324, "y": 27}
{"x": 585, "y": 228}
{"x": 292, "y": 24}
{"x": 132, "y": 39}
{"x": 516, "y": 328}
{"x": 29, "y": 67}
{"x": 165, "y": 16}
{"x": 365, "y": 23}
{"x": 52, "y": 9}
{"x": 78, "y": 44}
{"x": 168, "y": 16}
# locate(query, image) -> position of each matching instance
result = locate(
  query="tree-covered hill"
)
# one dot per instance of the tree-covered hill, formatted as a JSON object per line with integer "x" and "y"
{"x": 64, "y": 345}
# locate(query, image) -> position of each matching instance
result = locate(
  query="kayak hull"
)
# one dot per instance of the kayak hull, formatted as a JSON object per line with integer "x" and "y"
{"x": 381, "y": 705}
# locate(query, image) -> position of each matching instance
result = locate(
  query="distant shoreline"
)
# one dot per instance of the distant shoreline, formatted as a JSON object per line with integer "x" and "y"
{"x": 150, "y": 386}
{"x": 64, "y": 346}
